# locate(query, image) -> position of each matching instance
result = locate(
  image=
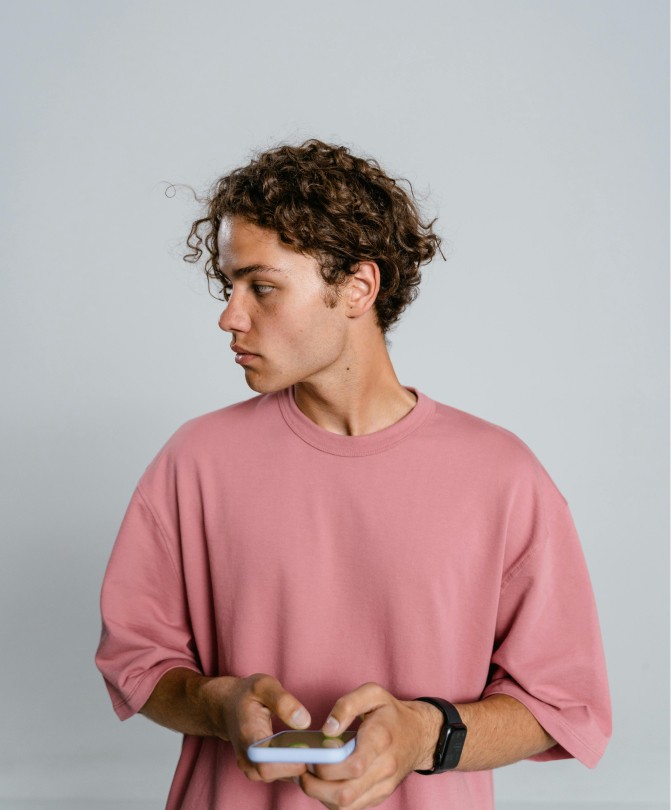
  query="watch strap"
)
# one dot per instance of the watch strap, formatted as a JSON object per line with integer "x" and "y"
{"x": 450, "y": 740}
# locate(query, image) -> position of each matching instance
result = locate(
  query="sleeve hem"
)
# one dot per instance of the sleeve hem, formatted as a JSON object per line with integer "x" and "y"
{"x": 128, "y": 705}
{"x": 573, "y": 744}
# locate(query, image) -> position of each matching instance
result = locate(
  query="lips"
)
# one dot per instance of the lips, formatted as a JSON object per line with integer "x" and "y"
{"x": 242, "y": 355}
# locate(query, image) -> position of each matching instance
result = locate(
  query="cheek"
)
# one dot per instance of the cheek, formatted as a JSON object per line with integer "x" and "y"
{"x": 298, "y": 323}
{"x": 308, "y": 328}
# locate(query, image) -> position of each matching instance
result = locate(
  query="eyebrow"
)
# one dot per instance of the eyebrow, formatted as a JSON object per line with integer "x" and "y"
{"x": 251, "y": 268}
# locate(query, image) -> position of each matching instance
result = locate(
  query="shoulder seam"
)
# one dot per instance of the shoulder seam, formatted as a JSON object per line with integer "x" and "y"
{"x": 161, "y": 530}
{"x": 516, "y": 569}
{"x": 538, "y": 472}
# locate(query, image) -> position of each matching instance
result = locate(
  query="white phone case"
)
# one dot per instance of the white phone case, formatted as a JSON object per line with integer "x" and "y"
{"x": 303, "y": 746}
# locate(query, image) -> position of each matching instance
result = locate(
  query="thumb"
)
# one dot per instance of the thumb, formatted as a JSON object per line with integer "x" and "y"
{"x": 285, "y": 706}
{"x": 365, "y": 699}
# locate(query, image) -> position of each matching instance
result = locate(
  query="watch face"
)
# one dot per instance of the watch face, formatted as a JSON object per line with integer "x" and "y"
{"x": 455, "y": 745}
{"x": 458, "y": 739}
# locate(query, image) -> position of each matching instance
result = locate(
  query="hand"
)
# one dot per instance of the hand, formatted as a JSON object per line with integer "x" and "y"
{"x": 248, "y": 706}
{"x": 395, "y": 738}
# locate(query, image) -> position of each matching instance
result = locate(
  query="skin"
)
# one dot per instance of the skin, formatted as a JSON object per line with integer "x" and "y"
{"x": 336, "y": 357}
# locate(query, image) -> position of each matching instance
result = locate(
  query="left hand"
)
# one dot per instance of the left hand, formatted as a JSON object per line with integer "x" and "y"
{"x": 395, "y": 738}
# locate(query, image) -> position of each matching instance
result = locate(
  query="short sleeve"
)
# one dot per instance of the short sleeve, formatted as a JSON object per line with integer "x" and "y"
{"x": 548, "y": 652}
{"x": 145, "y": 624}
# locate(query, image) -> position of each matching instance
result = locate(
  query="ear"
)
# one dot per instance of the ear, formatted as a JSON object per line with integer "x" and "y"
{"x": 362, "y": 288}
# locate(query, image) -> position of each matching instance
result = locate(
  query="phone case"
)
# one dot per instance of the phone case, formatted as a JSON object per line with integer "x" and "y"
{"x": 311, "y": 747}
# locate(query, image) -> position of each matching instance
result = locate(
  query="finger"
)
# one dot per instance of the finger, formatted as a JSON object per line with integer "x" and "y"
{"x": 353, "y": 795}
{"x": 372, "y": 740}
{"x": 362, "y": 700}
{"x": 330, "y": 794}
{"x": 265, "y": 697}
{"x": 371, "y": 789}
{"x": 272, "y": 771}
{"x": 267, "y": 771}
{"x": 270, "y": 692}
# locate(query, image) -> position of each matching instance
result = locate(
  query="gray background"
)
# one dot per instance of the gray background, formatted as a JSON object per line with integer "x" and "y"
{"x": 536, "y": 131}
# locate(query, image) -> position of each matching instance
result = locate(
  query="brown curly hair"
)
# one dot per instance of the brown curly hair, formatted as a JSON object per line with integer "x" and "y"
{"x": 327, "y": 203}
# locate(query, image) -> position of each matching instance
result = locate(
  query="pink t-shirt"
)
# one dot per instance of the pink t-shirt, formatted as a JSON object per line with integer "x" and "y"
{"x": 435, "y": 557}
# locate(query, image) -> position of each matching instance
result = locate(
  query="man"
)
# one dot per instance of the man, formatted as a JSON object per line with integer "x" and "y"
{"x": 340, "y": 545}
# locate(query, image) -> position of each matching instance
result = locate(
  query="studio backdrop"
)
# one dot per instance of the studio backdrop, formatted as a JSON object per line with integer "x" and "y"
{"x": 536, "y": 133}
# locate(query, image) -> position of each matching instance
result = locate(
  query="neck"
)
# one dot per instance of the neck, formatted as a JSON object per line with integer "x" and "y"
{"x": 364, "y": 397}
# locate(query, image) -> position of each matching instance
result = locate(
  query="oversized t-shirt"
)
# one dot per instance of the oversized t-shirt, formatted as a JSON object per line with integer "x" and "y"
{"x": 434, "y": 557}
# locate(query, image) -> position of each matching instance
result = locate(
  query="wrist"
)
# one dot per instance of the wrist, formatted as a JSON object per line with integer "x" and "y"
{"x": 431, "y": 723}
{"x": 211, "y": 697}
{"x": 451, "y": 740}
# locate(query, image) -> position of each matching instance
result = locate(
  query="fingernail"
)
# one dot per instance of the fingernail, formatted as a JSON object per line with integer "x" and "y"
{"x": 300, "y": 718}
{"x": 331, "y": 725}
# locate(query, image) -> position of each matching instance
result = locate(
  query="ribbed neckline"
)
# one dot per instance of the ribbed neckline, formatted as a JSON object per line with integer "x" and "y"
{"x": 365, "y": 445}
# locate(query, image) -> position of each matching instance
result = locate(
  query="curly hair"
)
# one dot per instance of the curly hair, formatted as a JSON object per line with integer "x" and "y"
{"x": 327, "y": 203}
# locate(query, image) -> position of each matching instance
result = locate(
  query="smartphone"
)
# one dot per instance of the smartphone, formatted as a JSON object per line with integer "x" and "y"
{"x": 303, "y": 746}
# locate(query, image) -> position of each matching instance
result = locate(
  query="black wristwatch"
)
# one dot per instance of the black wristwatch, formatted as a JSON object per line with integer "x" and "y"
{"x": 450, "y": 740}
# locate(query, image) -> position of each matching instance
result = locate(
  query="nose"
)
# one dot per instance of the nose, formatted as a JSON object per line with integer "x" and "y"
{"x": 234, "y": 318}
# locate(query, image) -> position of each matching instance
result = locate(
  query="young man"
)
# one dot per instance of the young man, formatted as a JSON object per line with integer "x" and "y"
{"x": 340, "y": 546}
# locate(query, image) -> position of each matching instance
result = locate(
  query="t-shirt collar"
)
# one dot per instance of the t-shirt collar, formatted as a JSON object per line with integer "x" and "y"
{"x": 337, "y": 444}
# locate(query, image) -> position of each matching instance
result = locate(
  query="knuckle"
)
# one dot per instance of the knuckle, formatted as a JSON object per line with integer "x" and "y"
{"x": 307, "y": 788}
{"x": 343, "y": 706}
{"x": 265, "y": 773}
{"x": 249, "y": 772}
{"x": 260, "y": 681}
{"x": 357, "y": 769}
{"x": 345, "y": 796}
{"x": 284, "y": 704}
{"x": 246, "y": 730}
{"x": 373, "y": 687}
{"x": 389, "y": 768}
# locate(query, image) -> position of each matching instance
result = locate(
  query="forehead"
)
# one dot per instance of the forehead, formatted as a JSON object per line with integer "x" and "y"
{"x": 236, "y": 235}
{"x": 243, "y": 245}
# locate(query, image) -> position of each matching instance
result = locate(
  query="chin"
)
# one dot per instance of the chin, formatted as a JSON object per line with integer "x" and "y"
{"x": 262, "y": 386}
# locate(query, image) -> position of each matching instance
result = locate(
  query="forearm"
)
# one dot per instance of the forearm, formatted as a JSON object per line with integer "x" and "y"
{"x": 397, "y": 737}
{"x": 501, "y": 730}
{"x": 190, "y": 703}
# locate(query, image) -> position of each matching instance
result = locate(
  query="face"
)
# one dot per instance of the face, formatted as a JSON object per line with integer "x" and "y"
{"x": 281, "y": 326}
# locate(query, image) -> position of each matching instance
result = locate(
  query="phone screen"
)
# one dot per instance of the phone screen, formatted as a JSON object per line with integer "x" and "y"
{"x": 305, "y": 739}
{"x": 303, "y": 746}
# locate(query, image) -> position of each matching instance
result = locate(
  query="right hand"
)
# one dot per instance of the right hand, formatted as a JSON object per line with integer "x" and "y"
{"x": 248, "y": 707}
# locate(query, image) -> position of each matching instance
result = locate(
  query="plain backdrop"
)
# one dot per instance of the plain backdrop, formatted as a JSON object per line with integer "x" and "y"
{"x": 535, "y": 130}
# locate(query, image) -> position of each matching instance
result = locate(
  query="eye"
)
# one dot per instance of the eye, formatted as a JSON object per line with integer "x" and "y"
{"x": 262, "y": 289}
{"x": 226, "y": 288}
